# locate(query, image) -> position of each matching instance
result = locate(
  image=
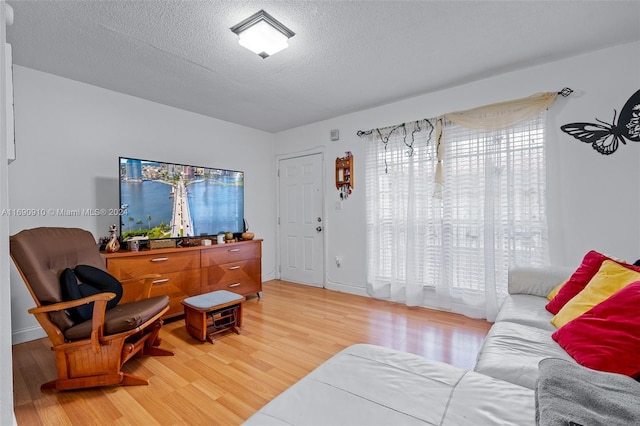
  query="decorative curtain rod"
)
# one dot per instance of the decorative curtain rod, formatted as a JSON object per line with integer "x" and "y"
{"x": 565, "y": 92}
{"x": 385, "y": 134}
{"x": 391, "y": 129}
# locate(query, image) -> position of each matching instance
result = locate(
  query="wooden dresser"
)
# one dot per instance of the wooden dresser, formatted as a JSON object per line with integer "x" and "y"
{"x": 190, "y": 271}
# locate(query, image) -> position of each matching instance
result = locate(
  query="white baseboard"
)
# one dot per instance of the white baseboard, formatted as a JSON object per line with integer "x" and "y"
{"x": 27, "y": 335}
{"x": 359, "y": 291}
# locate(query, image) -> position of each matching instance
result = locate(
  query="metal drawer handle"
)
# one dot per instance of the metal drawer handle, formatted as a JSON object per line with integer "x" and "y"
{"x": 233, "y": 285}
{"x": 164, "y": 280}
{"x": 159, "y": 259}
{"x": 233, "y": 267}
{"x": 235, "y": 249}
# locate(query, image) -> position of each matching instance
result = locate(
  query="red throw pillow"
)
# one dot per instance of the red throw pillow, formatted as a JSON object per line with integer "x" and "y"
{"x": 588, "y": 268}
{"x": 606, "y": 337}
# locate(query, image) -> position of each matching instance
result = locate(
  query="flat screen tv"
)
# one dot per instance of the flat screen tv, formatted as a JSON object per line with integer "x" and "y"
{"x": 165, "y": 200}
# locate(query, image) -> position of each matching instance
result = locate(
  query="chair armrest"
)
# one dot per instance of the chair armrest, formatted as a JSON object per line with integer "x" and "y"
{"x": 97, "y": 319}
{"x": 536, "y": 281}
{"x": 147, "y": 282}
{"x": 60, "y": 306}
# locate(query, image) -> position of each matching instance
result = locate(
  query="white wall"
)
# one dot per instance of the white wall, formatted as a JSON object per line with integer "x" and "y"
{"x": 6, "y": 367}
{"x": 594, "y": 201}
{"x": 68, "y": 139}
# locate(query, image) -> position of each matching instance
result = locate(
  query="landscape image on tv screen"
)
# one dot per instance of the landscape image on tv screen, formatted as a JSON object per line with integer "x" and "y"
{"x": 165, "y": 200}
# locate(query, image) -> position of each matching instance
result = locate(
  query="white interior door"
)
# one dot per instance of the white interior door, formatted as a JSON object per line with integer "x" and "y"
{"x": 301, "y": 223}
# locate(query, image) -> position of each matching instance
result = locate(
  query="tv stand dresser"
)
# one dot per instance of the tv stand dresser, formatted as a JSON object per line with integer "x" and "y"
{"x": 190, "y": 271}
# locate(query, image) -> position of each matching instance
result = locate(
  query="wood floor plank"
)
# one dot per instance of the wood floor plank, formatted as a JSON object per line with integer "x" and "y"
{"x": 132, "y": 411}
{"x": 286, "y": 334}
{"x": 152, "y": 402}
{"x": 201, "y": 407}
{"x": 27, "y": 414}
{"x": 84, "y": 411}
{"x": 50, "y": 412}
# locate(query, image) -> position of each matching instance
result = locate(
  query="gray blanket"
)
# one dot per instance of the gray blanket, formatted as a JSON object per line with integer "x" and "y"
{"x": 569, "y": 394}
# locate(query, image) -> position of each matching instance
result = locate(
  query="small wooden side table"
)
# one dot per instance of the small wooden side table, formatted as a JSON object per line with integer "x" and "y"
{"x": 211, "y": 313}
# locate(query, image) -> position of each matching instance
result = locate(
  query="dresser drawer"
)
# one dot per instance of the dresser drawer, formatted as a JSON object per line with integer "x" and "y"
{"x": 135, "y": 266}
{"x": 243, "y": 286}
{"x": 178, "y": 286}
{"x": 231, "y": 253}
{"x": 231, "y": 271}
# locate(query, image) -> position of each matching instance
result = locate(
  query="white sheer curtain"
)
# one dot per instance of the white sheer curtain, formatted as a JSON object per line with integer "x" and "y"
{"x": 402, "y": 216}
{"x": 452, "y": 252}
{"x": 494, "y": 213}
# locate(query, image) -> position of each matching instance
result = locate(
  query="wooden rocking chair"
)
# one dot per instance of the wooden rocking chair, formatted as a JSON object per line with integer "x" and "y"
{"x": 88, "y": 353}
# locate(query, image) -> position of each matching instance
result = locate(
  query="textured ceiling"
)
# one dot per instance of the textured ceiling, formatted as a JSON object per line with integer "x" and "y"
{"x": 346, "y": 55}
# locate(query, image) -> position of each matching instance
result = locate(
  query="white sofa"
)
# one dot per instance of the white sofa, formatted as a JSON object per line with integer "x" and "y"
{"x": 365, "y": 384}
{"x": 521, "y": 335}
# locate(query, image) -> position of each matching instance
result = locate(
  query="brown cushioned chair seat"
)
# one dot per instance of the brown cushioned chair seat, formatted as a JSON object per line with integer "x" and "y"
{"x": 123, "y": 317}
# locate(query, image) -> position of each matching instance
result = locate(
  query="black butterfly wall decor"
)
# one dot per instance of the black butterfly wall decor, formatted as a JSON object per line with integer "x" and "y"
{"x": 604, "y": 137}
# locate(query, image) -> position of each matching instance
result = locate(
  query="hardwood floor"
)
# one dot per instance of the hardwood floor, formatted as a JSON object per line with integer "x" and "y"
{"x": 285, "y": 335}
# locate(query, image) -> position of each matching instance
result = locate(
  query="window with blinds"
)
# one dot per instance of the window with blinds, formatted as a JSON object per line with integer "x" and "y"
{"x": 493, "y": 203}
{"x": 491, "y": 214}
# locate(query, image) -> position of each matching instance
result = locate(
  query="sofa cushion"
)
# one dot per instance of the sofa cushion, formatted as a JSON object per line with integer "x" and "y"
{"x": 580, "y": 278}
{"x": 553, "y": 293}
{"x": 610, "y": 278}
{"x": 606, "y": 337}
{"x": 536, "y": 280}
{"x": 526, "y": 309}
{"x": 512, "y": 352}
{"x": 577, "y": 281}
{"x": 567, "y": 394}
{"x": 372, "y": 385}
{"x": 124, "y": 317}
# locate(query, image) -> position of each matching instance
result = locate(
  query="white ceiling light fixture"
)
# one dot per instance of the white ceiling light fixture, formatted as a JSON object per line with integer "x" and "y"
{"x": 263, "y": 34}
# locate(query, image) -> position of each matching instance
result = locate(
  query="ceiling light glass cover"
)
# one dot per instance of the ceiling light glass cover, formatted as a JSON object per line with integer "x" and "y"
{"x": 263, "y": 34}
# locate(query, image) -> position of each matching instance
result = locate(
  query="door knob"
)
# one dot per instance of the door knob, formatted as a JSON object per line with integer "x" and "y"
{"x": 319, "y": 229}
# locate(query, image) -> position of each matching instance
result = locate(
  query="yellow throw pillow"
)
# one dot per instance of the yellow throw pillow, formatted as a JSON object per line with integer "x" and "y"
{"x": 555, "y": 291}
{"x": 610, "y": 278}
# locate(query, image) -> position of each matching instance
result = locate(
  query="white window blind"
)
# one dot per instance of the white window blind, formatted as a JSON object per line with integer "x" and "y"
{"x": 493, "y": 202}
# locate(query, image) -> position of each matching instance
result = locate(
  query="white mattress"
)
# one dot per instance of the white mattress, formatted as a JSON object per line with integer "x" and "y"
{"x": 372, "y": 385}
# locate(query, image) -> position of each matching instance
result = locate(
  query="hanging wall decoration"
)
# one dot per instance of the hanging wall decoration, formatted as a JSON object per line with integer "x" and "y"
{"x": 344, "y": 175}
{"x": 604, "y": 137}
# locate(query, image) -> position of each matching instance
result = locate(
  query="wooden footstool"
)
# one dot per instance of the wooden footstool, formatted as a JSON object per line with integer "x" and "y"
{"x": 208, "y": 314}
